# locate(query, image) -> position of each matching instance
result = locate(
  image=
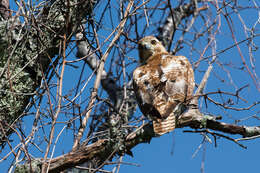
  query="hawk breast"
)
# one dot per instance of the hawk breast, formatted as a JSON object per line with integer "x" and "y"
{"x": 161, "y": 84}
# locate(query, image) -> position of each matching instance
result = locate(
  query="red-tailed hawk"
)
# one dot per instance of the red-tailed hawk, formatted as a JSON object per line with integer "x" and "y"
{"x": 162, "y": 84}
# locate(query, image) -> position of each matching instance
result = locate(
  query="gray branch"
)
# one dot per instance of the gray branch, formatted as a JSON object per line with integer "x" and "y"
{"x": 176, "y": 15}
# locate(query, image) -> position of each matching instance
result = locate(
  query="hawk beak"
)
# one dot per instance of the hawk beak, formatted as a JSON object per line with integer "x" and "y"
{"x": 144, "y": 46}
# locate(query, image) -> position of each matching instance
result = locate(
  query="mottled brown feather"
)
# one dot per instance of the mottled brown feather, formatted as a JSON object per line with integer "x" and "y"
{"x": 161, "y": 84}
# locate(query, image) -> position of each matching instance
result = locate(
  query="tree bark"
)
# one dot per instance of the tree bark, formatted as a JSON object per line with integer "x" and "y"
{"x": 101, "y": 150}
{"x": 28, "y": 55}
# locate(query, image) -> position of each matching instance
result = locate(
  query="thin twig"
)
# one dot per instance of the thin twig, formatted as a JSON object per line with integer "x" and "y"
{"x": 210, "y": 67}
{"x": 99, "y": 76}
{"x": 215, "y": 134}
{"x": 59, "y": 95}
{"x": 248, "y": 138}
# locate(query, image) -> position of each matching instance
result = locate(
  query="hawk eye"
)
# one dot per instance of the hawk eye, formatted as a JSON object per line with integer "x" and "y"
{"x": 153, "y": 42}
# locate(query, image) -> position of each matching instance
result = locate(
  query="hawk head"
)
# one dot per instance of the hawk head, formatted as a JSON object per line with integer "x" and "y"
{"x": 149, "y": 46}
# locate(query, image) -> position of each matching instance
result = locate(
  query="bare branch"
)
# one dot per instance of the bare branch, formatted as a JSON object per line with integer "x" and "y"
{"x": 87, "y": 53}
{"x": 145, "y": 134}
{"x": 88, "y": 110}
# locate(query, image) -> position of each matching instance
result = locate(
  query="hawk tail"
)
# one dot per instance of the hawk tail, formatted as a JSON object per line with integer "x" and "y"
{"x": 162, "y": 126}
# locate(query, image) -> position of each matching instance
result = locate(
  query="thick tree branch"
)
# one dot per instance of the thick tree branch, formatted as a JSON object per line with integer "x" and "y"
{"x": 192, "y": 119}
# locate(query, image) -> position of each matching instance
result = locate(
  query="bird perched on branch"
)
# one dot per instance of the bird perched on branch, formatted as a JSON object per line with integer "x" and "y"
{"x": 163, "y": 84}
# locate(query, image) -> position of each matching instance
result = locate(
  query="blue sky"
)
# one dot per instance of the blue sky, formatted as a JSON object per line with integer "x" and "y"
{"x": 156, "y": 156}
{"x": 227, "y": 157}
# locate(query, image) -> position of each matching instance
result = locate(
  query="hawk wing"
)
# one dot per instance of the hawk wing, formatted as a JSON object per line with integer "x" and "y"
{"x": 161, "y": 85}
